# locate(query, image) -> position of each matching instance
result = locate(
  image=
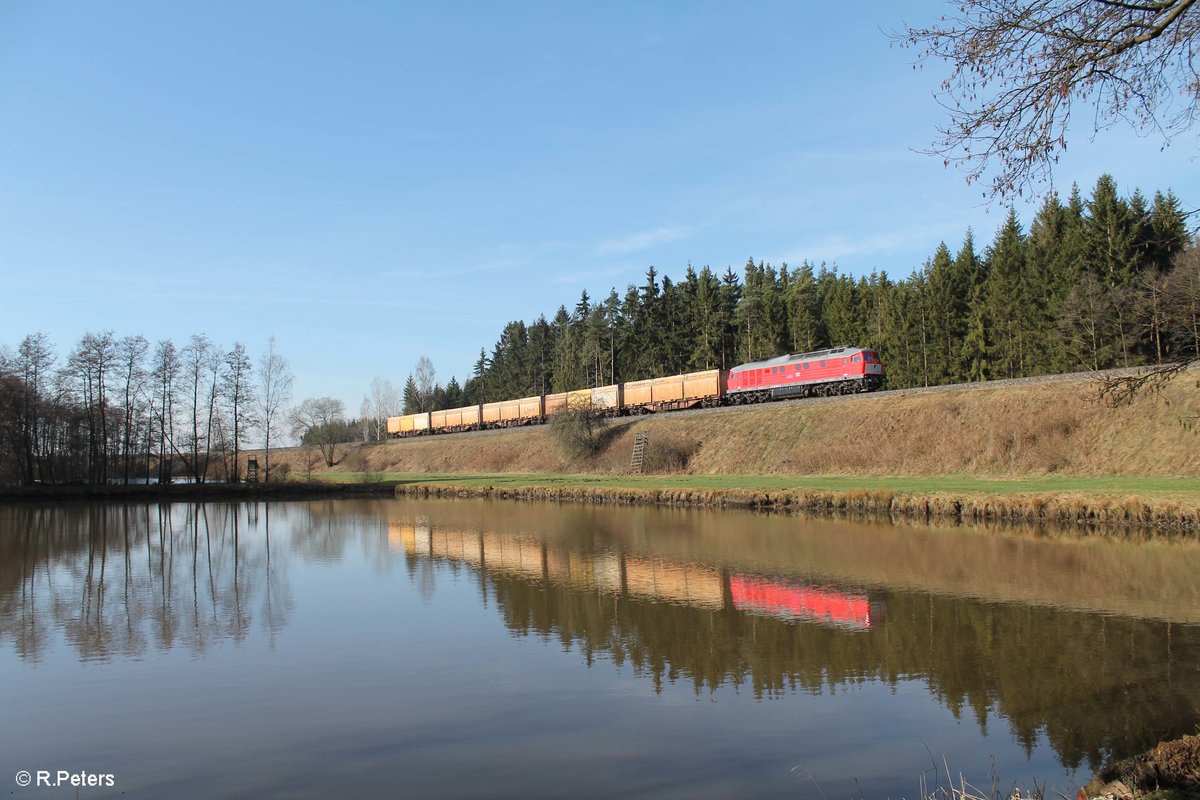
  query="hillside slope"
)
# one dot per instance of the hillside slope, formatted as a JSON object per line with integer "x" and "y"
{"x": 1027, "y": 428}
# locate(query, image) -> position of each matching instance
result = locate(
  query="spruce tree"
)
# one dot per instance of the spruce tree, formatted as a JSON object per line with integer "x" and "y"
{"x": 412, "y": 399}
{"x": 1007, "y": 300}
{"x": 706, "y": 313}
{"x": 801, "y": 304}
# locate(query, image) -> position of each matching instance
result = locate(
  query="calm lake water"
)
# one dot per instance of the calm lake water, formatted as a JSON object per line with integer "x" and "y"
{"x": 404, "y": 648}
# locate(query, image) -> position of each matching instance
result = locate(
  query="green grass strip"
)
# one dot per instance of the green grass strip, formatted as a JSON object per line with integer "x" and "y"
{"x": 1177, "y": 488}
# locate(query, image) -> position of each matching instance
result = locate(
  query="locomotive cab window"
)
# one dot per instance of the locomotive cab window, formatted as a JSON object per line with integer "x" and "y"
{"x": 856, "y": 359}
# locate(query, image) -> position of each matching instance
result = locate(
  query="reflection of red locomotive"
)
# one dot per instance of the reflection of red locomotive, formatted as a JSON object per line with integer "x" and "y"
{"x": 808, "y": 603}
{"x": 838, "y": 370}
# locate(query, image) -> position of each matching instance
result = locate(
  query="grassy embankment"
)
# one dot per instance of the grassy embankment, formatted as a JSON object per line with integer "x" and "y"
{"x": 1030, "y": 452}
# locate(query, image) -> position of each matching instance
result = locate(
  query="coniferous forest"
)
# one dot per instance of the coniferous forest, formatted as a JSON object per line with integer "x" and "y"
{"x": 1092, "y": 283}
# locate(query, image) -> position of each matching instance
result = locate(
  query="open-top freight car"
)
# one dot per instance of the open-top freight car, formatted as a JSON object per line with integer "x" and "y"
{"x": 837, "y": 370}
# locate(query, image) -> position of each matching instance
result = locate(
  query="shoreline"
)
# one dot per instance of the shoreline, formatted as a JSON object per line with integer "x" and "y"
{"x": 1070, "y": 511}
{"x": 174, "y": 492}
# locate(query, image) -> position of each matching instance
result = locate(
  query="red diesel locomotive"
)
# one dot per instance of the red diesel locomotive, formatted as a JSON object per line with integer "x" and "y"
{"x": 838, "y": 370}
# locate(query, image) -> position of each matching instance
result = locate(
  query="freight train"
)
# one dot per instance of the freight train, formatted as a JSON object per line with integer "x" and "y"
{"x": 837, "y": 370}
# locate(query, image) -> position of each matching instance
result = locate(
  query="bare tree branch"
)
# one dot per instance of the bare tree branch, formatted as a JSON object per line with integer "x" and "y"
{"x": 1019, "y": 66}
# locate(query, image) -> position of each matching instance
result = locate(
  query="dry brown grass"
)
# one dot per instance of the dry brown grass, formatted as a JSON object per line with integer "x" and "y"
{"x": 1046, "y": 429}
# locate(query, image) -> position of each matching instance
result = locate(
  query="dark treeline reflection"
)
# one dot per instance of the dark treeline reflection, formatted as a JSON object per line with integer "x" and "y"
{"x": 122, "y": 580}
{"x": 1096, "y": 685}
{"x": 1092, "y": 644}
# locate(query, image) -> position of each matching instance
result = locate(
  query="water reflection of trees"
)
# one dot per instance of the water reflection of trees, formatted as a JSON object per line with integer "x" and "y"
{"x": 652, "y": 592}
{"x": 1095, "y": 685}
{"x": 118, "y": 581}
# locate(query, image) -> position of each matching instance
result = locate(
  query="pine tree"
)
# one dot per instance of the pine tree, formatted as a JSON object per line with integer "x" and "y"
{"x": 650, "y": 357}
{"x": 750, "y": 314}
{"x": 707, "y": 321}
{"x": 454, "y": 395}
{"x": 731, "y": 295}
{"x": 1112, "y": 235}
{"x": 1114, "y": 255}
{"x": 1007, "y": 300}
{"x": 1168, "y": 231}
{"x": 613, "y": 324}
{"x": 1049, "y": 270}
{"x": 801, "y": 304}
{"x": 540, "y": 363}
{"x": 975, "y": 345}
{"x": 412, "y": 399}
{"x": 947, "y": 305}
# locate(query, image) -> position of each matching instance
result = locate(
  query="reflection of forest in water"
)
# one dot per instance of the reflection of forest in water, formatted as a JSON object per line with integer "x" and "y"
{"x": 119, "y": 581}
{"x": 1097, "y": 685}
{"x": 122, "y": 580}
{"x": 1052, "y": 634}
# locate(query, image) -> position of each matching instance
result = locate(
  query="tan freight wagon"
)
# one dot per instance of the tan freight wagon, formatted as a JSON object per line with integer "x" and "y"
{"x": 607, "y": 398}
{"x": 510, "y": 411}
{"x": 519, "y": 412}
{"x": 667, "y": 390}
{"x": 638, "y": 393}
{"x": 556, "y": 403}
{"x": 579, "y": 400}
{"x": 421, "y": 422}
{"x": 455, "y": 419}
{"x": 472, "y": 416}
{"x": 400, "y": 426}
{"x": 711, "y": 384}
{"x": 690, "y": 387}
{"x": 676, "y": 391}
{"x": 531, "y": 407}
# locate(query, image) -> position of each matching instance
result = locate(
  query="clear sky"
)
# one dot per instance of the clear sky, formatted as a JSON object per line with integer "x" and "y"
{"x": 374, "y": 182}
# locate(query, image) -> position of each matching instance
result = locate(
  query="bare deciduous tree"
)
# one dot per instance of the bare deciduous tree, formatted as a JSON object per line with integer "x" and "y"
{"x": 201, "y": 365}
{"x": 132, "y": 352}
{"x": 165, "y": 373}
{"x": 365, "y": 421}
{"x": 384, "y": 402}
{"x": 425, "y": 375}
{"x": 1019, "y": 67}
{"x": 89, "y": 366}
{"x": 275, "y": 392}
{"x": 238, "y": 391}
{"x": 33, "y": 365}
{"x": 316, "y": 418}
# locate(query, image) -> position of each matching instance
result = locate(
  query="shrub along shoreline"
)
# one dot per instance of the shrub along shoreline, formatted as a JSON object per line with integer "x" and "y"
{"x": 1072, "y": 510}
{"x": 1071, "y": 504}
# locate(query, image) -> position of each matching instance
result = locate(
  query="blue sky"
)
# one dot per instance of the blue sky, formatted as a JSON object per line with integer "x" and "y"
{"x": 374, "y": 182}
